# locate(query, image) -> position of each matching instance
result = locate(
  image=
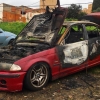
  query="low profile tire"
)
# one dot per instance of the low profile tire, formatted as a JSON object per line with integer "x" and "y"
{"x": 37, "y": 76}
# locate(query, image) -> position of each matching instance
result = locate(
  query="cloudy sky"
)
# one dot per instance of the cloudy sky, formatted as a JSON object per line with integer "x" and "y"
{"x": 35, "y": 3}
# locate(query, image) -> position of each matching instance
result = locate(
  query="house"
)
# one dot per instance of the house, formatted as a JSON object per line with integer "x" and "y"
{"x": 88, "y": 10}
{"x": 10, "y": 13}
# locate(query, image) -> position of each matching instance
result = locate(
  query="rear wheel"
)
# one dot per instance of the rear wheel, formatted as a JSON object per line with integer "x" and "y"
{"x": 37, "y": 76}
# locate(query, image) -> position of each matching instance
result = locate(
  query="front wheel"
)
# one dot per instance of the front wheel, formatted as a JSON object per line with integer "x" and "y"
{"x": 11, "y": 41}
{"x": 37, "y": 76}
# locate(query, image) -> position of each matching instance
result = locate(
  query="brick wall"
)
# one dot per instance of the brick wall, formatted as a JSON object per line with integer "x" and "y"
{"x": 11, "y": 17}
{"x": 11, "y": 13}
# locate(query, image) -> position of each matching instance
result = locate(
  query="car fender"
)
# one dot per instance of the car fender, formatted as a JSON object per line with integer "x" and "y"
{"x": 8, "y": 39}
{"x": 49, "y": 56}
{"x": 34, "y": 61}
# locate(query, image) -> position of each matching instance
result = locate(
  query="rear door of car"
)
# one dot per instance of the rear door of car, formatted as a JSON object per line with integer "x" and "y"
{"x": 73, "y": 53}
{"x": 93, "y": 32}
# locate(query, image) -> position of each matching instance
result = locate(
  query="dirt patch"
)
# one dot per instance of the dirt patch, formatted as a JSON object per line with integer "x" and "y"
{"x": 80, "y": 86}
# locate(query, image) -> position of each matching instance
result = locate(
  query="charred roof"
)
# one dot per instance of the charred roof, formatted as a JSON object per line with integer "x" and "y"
{"x": 69, "y": 23}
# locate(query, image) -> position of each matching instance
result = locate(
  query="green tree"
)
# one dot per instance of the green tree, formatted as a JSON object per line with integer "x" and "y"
{"x": 97, "y": 10}
{"x": 81, "y": 14}
{"x": 96, "y": 4}
{"x": 74, "y": 11}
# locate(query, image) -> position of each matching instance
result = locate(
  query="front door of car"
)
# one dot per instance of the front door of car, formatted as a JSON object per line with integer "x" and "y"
{"x": 93, "y": 32}
{"x": 73, "y": 54}
{"x": 2, "y": 37}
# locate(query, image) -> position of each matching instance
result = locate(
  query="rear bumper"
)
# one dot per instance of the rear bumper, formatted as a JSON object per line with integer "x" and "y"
{"x": 11, "y": 81}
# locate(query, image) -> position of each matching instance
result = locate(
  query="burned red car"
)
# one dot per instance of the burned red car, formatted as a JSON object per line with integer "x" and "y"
{"x": 48, "y": 48}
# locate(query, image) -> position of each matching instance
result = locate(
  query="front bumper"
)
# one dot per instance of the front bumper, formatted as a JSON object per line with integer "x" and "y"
{"x": 11, "y": 81}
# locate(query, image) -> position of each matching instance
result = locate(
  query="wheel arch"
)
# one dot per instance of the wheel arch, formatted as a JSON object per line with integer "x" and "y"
{"x": 49, "y": 78}
{"x": 11, "y": 40}
{"x": 8, "y": 39}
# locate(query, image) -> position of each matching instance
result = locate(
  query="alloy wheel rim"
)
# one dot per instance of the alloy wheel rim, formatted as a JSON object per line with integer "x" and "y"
{"x": 38, "y": 75}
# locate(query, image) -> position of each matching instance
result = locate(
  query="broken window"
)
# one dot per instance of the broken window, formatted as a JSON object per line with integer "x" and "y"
{"x": 75, "y": 34}
{"x": 63, "y": 28}
{"x": 92, "y": 30}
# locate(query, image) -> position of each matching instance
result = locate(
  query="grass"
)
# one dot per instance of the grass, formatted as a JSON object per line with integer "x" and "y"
{"x": 14, "y": 27}
{"x": 70, "y": 19}
{"x": 95, "y": 70}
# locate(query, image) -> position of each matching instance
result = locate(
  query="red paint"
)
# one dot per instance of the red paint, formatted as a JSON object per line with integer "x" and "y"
{"x": 48, "y": 56}
{"x": 12, "y": 83}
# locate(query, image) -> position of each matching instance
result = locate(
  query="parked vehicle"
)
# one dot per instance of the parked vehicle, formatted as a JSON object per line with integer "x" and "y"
{"x": 48, "y": 48}
{"x": 93, "y": 17}
{"x": 6, "y": 37}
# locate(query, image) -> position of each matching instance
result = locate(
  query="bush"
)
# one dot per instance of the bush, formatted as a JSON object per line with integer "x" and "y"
{"x": 14, "y": 27}
{"x": 97, "y": 10}
{"x": 95, "y": 5}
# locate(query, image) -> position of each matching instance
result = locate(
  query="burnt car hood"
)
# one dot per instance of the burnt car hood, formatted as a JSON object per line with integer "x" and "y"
{"x": 38, "y": 35}
{"x": 44, "y": 27}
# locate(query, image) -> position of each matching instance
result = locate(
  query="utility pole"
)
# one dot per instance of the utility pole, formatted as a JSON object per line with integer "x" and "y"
{"x": 58, "y": 3}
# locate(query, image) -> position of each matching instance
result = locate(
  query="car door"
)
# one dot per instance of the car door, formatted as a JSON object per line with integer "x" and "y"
{"x": 73, "y": 54}
{"x": 93, "y": 32}
{"x": 2, "y": 37}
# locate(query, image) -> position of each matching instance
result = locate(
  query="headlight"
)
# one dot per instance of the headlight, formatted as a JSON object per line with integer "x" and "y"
{"x": 15, "y": 68}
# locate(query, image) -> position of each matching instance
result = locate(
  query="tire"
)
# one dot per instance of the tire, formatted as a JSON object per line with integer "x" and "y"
{"x": 11, "y": 41}
{"x": 37, "y": 76}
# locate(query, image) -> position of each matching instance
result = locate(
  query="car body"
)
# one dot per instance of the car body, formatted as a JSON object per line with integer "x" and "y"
{"x": 93, "y": 17}
{"x": 48, "y": 48}
{"x": 6, "y": 37}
